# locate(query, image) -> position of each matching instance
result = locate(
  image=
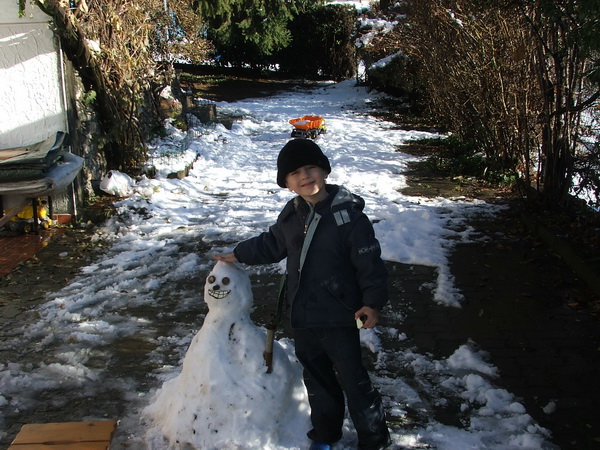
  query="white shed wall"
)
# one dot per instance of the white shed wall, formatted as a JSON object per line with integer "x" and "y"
{"x": 31, "y": 94}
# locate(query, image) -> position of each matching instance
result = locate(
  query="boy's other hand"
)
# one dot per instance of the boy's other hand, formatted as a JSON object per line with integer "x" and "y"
{"x": 368, "y": 315}
{"x": 226, "y": 257}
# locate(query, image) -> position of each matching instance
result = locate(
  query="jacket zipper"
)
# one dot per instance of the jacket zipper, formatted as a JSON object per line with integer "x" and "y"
{"x": 307, "y": 223}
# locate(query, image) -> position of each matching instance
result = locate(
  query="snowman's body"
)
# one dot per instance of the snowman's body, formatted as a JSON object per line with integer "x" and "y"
{"x": 224, "y": 397}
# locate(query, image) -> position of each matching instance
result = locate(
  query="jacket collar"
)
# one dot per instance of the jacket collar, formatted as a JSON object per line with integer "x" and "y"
{"x": 332, "y": 190}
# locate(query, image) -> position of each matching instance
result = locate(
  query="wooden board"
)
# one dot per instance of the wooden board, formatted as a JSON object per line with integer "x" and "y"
{"x": 65, "y": 436}
{"x": 75, "y": 446}
{"x": 8, "y": 214}
{"x": 11, "y": 153}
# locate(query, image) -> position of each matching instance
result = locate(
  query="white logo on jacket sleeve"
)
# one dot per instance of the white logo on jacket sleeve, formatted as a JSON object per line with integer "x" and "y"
{"x": 369, "y": 249}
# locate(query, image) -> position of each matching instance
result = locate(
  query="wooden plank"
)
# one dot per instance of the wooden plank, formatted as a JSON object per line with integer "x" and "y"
{"x": 11, "y": 153}
{"x": 75, "y": 446}
{"x": 66, "y": 434}
{"x": 9, "y": 214}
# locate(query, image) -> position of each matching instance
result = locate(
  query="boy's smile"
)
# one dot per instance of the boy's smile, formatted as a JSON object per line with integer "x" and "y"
{"x": 308, "y": 182}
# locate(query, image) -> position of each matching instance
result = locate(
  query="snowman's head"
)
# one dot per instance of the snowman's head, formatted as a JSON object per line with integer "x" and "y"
{"x": 228, "y": 287}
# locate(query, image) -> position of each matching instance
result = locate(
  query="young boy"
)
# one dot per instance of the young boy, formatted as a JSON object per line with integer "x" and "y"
{"x": 336, "y": 280}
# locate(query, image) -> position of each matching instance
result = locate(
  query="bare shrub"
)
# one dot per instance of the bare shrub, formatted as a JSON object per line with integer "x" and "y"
{"x": 123, "y": 53}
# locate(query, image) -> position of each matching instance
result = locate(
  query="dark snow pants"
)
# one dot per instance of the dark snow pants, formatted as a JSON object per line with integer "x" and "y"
{"x": 332, "y": 363}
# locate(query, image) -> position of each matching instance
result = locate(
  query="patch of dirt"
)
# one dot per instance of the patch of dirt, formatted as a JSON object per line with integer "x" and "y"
{"x": 424, "y": 182}
{"x": 221, "y": 87}
{"x": 55, "y": 265}
{"x": 573, "y": 237}
{"x": 48, "y": 271}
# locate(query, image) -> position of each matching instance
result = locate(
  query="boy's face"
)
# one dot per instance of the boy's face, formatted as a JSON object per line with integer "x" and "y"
{"x": 308, "y": 182}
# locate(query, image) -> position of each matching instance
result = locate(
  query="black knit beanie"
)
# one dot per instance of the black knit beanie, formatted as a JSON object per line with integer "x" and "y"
{"x": 297, "y": 153}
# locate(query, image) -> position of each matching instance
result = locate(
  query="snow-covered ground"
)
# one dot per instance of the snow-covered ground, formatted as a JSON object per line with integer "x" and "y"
{"x": 160, "y": 249}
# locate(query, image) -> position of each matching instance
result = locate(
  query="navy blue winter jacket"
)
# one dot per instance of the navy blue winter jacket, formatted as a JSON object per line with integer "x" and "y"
{"x": 334, "y": 264}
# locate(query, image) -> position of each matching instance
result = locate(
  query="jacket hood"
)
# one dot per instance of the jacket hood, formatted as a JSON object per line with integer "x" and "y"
{"x": 343, "y": 198}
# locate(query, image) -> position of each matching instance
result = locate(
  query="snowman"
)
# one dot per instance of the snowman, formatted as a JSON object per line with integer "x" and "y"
{"x": 224, "y": 397}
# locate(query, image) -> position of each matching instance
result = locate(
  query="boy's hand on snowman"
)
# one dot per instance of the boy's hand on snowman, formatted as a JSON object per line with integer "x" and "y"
{"x": 226, "y": 257}
{"x": 366, "y": 316}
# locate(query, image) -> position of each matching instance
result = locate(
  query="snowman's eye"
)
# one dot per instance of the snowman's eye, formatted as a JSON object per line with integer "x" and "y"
{"x": 225, "y": 281}
{"x": 211, "y": 279}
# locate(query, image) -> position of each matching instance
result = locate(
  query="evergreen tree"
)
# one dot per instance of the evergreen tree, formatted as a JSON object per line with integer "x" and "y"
{"x": 323, "y": 43}
{"x": 249, "y": 31}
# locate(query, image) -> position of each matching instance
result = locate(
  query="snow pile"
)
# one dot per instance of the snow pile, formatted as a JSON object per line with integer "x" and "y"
{"x": 224, "y": 397}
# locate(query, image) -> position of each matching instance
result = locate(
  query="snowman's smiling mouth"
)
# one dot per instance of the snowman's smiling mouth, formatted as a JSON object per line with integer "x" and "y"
{"x": 218, "y": 293}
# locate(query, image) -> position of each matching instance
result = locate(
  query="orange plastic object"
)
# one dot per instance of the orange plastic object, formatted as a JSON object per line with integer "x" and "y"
{"x": 308, "y": 122}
